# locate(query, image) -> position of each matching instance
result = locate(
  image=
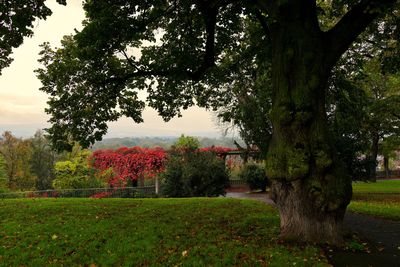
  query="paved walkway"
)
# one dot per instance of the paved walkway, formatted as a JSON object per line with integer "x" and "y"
{"x": 383, "y": 236}
{"x": 257, "y": 196}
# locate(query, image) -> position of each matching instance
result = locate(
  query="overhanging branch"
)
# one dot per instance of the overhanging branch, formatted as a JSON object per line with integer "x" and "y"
{"x": 210, "y": 19}
{"x": 397, "y": 116}
{"x": 263, "y": 22}
{"x": 352, "y": 24}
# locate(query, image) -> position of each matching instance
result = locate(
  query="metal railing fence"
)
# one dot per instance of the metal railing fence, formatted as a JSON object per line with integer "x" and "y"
{"x": 237, "y": 182}
{"x": 147, "y": 191}
{"x": 123, "y": 192}
{"x": 391, "y": 174}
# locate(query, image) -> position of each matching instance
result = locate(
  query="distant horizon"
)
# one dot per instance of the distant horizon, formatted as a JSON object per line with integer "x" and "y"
{"x": 23, "y": 132}
{"x": 171, "y": 137}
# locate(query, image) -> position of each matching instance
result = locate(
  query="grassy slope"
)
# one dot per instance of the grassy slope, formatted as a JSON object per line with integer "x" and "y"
{"x": 379, "y": 199}
{"x": 191, "y": 232}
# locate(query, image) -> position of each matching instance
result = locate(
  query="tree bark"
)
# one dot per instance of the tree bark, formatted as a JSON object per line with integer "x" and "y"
{"x": 386, "y": 166}
{"x": 309, "y": 184}
{"x": 373, "y": 158}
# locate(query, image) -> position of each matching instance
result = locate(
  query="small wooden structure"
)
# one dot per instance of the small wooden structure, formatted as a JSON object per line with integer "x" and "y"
{"x": 240, "y": 156}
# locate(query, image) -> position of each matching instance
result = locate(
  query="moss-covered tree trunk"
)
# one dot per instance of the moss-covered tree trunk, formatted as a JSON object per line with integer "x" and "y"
{"x": 309, "y": 185}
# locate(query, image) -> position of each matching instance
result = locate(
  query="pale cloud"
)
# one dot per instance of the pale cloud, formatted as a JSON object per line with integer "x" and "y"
{"x": 19, "y": 100}
{"x": 22, "y": 104}
{"x": 194, "y": 121}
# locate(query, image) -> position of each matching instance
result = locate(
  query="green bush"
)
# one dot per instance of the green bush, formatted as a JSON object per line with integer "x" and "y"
{"x": 187, "y": 143}
{"x": 255, "y": 177}
{"x": 193, "y": 174}
{"x": 76, "y": 173}
{"x": 4, "y": 190}
{"x": 3, "y": 172}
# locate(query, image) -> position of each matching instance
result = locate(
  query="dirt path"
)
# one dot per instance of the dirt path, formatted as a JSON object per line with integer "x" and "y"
{"x": 382, "y": 236}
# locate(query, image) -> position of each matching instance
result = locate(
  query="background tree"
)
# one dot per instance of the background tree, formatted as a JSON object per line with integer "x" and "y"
{"x": 388, "y": 149}
{"x": 25, "y": 179}
{"x": 17, "y": 153}
{"x": 346, "y": 116}
{"x": 184, "y": 61}
{"x": 187, "y": 143}
{"x": 3, "y": 173}
{"x": 8, "y": 151}
{"x": 247, "y": 88}
{"x": 383, "y": 108}
{"x": 42, "y": 161}
{"x": 363, "y": 103}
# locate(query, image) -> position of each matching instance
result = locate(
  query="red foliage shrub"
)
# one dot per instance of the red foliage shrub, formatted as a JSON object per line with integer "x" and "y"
{"x": 129, "y": 163}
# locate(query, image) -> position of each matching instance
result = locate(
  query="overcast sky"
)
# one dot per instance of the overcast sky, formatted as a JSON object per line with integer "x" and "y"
{"x": 22, "y": 104}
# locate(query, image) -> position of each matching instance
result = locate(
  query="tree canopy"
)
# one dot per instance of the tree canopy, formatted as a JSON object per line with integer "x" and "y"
{"x": 281, "y": 56}
{"x": 16, "y": 22}
{"x": 181, "y": 52}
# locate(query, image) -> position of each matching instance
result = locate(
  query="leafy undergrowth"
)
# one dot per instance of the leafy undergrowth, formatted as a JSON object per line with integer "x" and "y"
{"x": 188, "y": 232}
{"x": 380, "y": 199}
{"x": 353, "y": 243}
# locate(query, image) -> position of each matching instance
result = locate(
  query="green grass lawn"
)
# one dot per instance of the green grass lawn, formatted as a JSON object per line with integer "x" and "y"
{"x": 134, "y": 232}
{"x": 389, "y": 210}
{"x": 378, "y": 199}
{"x": 381, "y": 186}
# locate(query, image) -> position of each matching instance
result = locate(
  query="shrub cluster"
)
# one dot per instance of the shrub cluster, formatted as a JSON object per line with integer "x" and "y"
{"x": 255, "y": 177}
{"x": 126, "y": 165}
{"x": 76, "y": 173}
{"x": 194, "y": 174}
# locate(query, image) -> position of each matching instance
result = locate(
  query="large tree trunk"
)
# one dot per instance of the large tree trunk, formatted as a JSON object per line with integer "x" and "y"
{"x": 309, "y": 184}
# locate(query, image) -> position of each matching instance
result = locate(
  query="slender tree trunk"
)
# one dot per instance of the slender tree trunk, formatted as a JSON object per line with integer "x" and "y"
{"x": 373, "y": 157}
{"x": 386, "y": 166}
{"x": 309, "y": 184}
{"x": 157, "y": 185}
